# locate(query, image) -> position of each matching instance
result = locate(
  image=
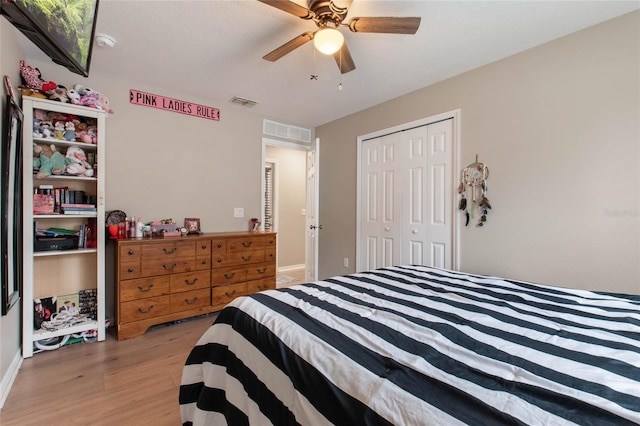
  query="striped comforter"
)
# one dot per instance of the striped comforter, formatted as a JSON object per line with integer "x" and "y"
{"x": 413, "y": 345}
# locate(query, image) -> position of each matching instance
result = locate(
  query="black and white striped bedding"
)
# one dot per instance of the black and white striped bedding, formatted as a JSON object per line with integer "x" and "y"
{"x": 413, "y": 345}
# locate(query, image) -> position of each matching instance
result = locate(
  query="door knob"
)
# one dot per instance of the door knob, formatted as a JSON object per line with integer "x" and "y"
{"x": 414, "y": 231}
{"x": 387, "y": 229}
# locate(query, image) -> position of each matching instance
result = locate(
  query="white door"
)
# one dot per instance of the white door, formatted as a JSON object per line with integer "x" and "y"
{"x": 406, "y": 213}
{"x": 427, "y": 196}
{"x": 312, "y": 224}
{"x": 381, "y": 195}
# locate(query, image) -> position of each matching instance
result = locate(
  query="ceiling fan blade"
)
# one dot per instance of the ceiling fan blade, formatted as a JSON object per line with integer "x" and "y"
{"x": 344, "y": 59}
{"x": 288, "y": 46}
{"x": 290, "y": 7}
{"x": 385, "y": 25}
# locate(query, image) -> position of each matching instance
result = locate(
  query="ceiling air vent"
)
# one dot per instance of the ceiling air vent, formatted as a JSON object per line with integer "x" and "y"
{"x": 285, "y": 131}
{"x": 243, "y": 101}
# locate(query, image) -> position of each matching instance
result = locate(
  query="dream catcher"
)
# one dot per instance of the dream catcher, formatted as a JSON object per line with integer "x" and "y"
{"x": 473, "y": 182}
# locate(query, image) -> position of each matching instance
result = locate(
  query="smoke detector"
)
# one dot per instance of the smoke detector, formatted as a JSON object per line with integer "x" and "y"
{"x": 105, "y": 40}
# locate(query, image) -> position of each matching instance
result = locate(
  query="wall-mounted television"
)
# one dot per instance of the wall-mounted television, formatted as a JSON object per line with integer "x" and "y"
{"x": 63, "y": 29}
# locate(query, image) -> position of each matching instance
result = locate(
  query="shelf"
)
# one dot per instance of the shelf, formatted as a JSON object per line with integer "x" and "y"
{"x": 60, "y": 216}
{"x": 63, "y": 177}
{"x": 62, "y": 142}
{"x": 78, "y": 328}
{"x": 63, "y": 252}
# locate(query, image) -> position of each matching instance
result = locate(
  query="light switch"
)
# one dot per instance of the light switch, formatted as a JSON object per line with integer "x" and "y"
{"x": 238, "y": 212}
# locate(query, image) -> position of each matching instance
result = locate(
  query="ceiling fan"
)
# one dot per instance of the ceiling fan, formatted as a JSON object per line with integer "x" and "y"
{"x": 329, "y": 15}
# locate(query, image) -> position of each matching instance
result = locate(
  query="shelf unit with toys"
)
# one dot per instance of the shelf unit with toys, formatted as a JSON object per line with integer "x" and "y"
{"x": 70, "y": 201}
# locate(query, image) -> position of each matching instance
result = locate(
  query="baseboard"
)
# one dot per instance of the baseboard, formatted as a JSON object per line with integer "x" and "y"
{"x": 291, "y": 267}
{"x": 9, "y": 377}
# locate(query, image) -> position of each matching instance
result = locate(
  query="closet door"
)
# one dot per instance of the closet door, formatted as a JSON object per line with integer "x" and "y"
{"x": 427, "y": 196}
{"x": 406, "y": 198}
{"x": 381, "y": 195}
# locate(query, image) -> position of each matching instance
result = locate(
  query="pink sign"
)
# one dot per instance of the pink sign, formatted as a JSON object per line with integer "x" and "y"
{"x": 175, "y": 105}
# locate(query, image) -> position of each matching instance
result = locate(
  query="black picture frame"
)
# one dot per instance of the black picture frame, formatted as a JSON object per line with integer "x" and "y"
{"x": 11, "y": 205}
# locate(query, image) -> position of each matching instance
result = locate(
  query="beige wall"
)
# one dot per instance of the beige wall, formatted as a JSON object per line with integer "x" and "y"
{"x": 291, "y": 189}
{"x": 558, "y": 125}
{"x": 10, "y": 337}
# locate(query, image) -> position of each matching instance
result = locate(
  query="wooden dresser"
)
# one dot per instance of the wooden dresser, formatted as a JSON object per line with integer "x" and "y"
{"x": 166, "y": 279}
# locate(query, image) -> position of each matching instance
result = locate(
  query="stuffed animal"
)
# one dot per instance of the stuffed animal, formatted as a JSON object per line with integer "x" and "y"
{"x": 59, "y": 94}
{"x": 92, "y": 99}
{"x": 32, "y": 80}
{"x": 47, "y": 160}
{"x": 77, "y": 162}
{"x": 69, "y": 131}
{"x": 74, "y": 96}
{"x": 46, "y": 128}
{"x": 58, "y": 130}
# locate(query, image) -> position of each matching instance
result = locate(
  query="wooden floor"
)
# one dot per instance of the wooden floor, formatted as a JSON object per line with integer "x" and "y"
{"x": 131, "y": 382}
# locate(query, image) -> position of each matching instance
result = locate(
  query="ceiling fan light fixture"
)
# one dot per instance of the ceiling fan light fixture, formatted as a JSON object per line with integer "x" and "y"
{"x": 328, "y": 40}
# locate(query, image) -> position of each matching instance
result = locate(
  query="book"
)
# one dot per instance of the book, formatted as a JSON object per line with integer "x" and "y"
{"x": 83, "y": 211}
{"x": 43, "y": 203}
{"x": 78, "y": 206}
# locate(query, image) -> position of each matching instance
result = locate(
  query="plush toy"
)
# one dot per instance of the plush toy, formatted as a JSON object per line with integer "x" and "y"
{"x": 69, "y": 131}
{"x": 46, "y": 128}
{"x": 74, "y": 96}
{"x": 59, "y": 94}
{"x": 32, "y": 80}
{"x": 77, "y": 162}
{"x": 47, "y": 160}
{"x": 58, "y": 130}
{"x": 91, "y": 98}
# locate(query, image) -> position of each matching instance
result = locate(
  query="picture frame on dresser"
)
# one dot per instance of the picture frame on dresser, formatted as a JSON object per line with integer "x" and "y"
{"x": 11, "y": 205}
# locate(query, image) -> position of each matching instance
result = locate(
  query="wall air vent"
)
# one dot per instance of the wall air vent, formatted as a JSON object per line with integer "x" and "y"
{"x": 285, "y": 131}
{"x": 242, "y": 101}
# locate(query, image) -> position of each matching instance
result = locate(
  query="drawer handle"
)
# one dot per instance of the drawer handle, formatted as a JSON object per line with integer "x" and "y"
{"x": 247, "y": 258}
{"x": 229, "y": 276}
{"x": 204, "y": 247}
{"x": 130, "y": 252}
{"x": 203, "y": 262}
{"x": 169, "y": 268}
{"x": 145, "y": 311}
{"x": 263, "y": 287}
{"x": 219, "y": 260}
{"x": 192, "y": 301}
{"x": 246, "y": 244}
{"x": 169, "y": 251}
{"x": 226, "y": 293}
{"x": 261, "y": 270}
{"x": 187, "y": 282}
{"x": 145, "y": 289}
{"x": 219, "y": 245}
{"x": 130, "y": 270}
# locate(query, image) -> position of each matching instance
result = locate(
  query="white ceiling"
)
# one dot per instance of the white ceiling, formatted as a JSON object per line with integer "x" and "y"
{"x": 215, "y": 48}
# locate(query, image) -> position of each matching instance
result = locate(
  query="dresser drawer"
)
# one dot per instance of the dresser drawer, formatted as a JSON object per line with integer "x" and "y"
{"x": 129, "y": 252}
{"x": 226, "y": 293}
{"x": 203, "y": 262}
{"x": 129, "y": 270}
{"x": 203, "y": 248}
{"x": 144, "y": 309}
{"x": 218, "y": 246}
{"x": 226, "y": 276}
{"x": 245, "y": 243}
{"x": 261, "y": 285}
{"x": 245, "y": 257}
{"x": 270, "y": 254}
{"x": 143, "y": 288}
{"x": 190, "y": 281}
{"x": 169, "y": 249}
{"x": 262, "y": 270}
{"x": 167, "y": 266}
{"x": 219, "y": 260}
{"x": 190, "y": 300}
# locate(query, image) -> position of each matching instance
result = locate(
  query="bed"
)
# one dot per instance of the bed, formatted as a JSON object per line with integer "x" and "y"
{"x": 414, "y": 345}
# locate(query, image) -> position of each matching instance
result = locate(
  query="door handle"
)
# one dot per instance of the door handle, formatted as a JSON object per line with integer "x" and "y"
{"x": 315, "y": 227}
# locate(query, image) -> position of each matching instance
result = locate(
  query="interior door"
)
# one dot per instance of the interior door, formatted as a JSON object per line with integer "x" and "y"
{"x": 312, "y": 217}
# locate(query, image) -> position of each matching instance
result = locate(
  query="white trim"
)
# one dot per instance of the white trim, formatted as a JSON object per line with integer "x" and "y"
{"x": 10, "y": 377}
{"x": 456, "y": 116}
{"x": 291, "y": 268}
